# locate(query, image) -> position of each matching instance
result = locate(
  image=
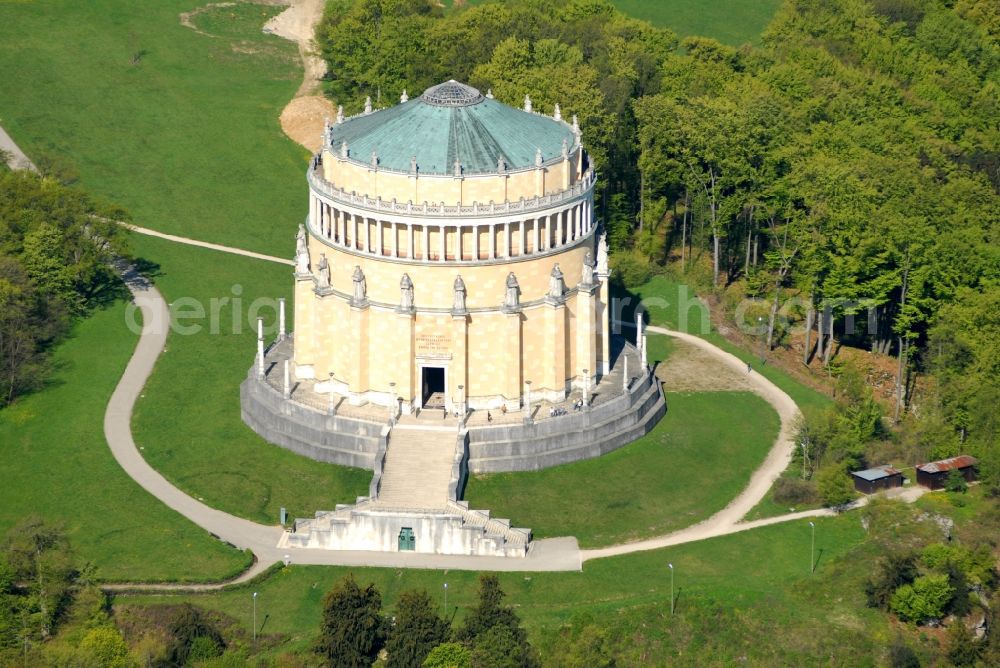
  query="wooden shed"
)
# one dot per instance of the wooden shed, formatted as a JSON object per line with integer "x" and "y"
{"x": 876, "y": 479}
{"x": 934, "y": 475}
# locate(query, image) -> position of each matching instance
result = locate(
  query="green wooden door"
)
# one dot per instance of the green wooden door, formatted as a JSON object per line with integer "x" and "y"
{"x": 407, "y": 541}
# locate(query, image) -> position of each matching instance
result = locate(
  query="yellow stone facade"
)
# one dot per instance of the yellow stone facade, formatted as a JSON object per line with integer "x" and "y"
{"x": 362, "y": 331}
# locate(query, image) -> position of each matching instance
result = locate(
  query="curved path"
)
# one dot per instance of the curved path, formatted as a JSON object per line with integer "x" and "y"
{"x": 557, "y": 554}
{"x": 204, "y": 244}
{"x": 728, "y": 520}
{"x": 551, "y": 554}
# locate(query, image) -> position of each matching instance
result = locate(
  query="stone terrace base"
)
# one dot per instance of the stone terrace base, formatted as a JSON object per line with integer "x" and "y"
{"x": 452, "y": 529}
{"x": 356, "y": 434}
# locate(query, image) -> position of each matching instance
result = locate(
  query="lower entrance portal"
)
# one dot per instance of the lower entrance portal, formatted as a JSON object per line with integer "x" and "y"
{"x": 432, "y": 387}
{"x": 407, "y": 541}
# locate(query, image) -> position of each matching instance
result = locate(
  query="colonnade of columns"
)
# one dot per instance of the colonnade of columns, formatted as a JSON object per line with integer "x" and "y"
{"x": 462, "y": 240}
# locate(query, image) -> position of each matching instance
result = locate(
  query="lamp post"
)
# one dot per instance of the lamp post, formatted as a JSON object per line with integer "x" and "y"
{"x": 392, "y": 403}
{"x": 255, "y": 619}
{"x": 760, "y": 323}
{"x": 671, "y": 589}
{"x": 805, "y": 459}
{"x": 812, "y": 548}
{"x": 330, "y": 405}
{"x": 446, "y": 599}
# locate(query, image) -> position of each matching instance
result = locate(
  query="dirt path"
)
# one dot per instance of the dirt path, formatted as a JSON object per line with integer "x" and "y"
{"x": 204, "y": 244}
{"x": 302, "y": 118}
{"x": 16, "y": 159}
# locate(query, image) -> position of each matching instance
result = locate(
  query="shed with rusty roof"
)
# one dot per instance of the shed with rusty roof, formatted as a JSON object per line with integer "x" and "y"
{"x": 934, "y": 475}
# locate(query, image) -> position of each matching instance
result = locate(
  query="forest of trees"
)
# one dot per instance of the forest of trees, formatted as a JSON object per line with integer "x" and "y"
{"x": 845, "y": 174}
{"x": 56, "y": 246}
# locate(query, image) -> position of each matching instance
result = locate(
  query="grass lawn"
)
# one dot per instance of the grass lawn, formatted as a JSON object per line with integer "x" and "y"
{"x": 698, "y": 457}
{"x": 732, "y": 22}
{"x": 189, "y": 419}
{"x": 55, "y": 463}
{"x": 724, "y": 604}
{"x": 187, "y": 139}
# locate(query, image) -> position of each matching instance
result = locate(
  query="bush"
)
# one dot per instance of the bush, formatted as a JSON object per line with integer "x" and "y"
{"x": 902, "y": 655}
{"x": 925, "y": 599}
{"x": 632, "y": 268}
{"x": 794, "y": 491}
{"x": 835, "y": 486}
{"x": 963, "y": 648}
{"x": 106, "y": 647}
{"x": 956, "y": 482}
{"x": 890, "y": 573}
{"x": 448, "y": 655}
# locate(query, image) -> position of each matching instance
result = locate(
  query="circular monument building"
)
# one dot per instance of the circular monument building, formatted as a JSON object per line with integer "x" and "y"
{"x": 451, "y": 257}
{"x": 451, "y": 267}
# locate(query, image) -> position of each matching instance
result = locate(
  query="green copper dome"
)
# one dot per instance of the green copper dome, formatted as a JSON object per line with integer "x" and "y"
{"x": 449, "y": 122}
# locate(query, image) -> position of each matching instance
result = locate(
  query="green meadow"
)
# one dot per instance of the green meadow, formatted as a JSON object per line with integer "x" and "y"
{"x": 732, "y": 22}
{"x": 179, "y": 127}
{"x": 696, "y": 459}
{"x": 729, "y": 592}
{"x": 55, "y": 464}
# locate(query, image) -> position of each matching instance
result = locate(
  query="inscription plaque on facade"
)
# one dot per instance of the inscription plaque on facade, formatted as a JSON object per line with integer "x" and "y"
{"x": 433, "y": 345}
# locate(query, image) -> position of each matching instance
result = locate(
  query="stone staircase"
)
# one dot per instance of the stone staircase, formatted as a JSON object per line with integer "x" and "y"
{"x": 413, "y": 489}
{"x": 418, "y": 467}
{"x": 492, "y": 528}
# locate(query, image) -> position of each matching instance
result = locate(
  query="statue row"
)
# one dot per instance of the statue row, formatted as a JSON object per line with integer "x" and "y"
{"x": 512, "y": 293}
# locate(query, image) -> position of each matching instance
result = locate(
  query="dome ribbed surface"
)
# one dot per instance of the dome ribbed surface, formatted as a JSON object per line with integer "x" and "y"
{"x": 451, "y": 121}
{"x": 452, "y": 94}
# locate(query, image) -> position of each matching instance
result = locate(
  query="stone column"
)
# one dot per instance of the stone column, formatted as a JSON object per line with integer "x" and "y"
{"x": 536, "y": 234}
{"x": 458, "y": 242}
{"x": 281, "y": 318}
{"x": 394, "y": 241}
{"x": 602, "y": 319}
{"x": 260, "y": 348}
{"x": 527, "y": 401}
{"x": 427, "y": 243}
{"x": 559, "y": 228}
{"x": 409, "y": 241}
{"x": 475, "y": 242}
{"x": 523, "y": 232}
{"x": 506, "y": 239}
{"x": 586, "y": 328}
{"x": 493, "y": 241}
{"x": 444, "y": 248}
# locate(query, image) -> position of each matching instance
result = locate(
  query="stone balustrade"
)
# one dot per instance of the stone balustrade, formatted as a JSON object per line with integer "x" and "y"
{"x": 440, "y": 233}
